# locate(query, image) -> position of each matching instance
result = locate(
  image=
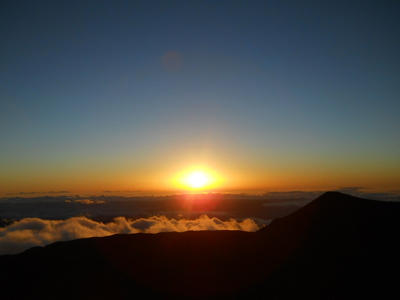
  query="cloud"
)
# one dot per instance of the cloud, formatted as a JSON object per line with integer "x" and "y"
{"x": 31, "y": 232}
{"x": 105, "y": 208}
{"x": 34, "y": 193}
{"x": 290, "y": 195}
{"x": 86, "y": 201}
{"x": 358, "y": 192}
{"x": 295, "y": 203}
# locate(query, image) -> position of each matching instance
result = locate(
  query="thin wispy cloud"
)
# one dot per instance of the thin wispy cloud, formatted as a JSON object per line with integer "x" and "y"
{"x": 86, "y": 201}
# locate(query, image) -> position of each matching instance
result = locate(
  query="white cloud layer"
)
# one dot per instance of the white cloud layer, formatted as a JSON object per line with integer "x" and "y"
{"x": 31, "y": 232}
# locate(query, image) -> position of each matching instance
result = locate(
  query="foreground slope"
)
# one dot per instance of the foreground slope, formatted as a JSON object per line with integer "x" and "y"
{"x": 336, "y": 247}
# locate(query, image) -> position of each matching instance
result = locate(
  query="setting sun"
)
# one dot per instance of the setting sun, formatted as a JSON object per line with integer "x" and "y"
{"x": 197, "y": 180}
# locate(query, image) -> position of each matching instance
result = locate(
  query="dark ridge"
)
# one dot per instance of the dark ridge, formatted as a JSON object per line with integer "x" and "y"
{"x": 336, "y": 247}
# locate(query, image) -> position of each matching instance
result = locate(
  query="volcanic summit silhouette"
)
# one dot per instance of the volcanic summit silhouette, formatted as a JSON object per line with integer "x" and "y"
{"x": 336, "y": 247}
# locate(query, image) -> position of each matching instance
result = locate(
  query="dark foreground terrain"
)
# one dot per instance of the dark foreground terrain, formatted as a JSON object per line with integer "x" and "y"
{"x": 336, "y": 247}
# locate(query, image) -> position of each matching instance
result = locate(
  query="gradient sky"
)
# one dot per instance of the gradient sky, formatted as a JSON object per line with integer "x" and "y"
{"x": 267, "y": 95}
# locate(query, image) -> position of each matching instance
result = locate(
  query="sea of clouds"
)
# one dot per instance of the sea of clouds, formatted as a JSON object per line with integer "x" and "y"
{"x": 27, "y": 222}
{"x": 32, "y": 232}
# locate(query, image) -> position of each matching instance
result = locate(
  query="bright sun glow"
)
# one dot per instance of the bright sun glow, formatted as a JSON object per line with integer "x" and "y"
{"x": 197, "y": 180}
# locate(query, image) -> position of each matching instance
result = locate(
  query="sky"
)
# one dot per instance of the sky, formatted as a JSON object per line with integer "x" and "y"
{"x": 258, "y": 95}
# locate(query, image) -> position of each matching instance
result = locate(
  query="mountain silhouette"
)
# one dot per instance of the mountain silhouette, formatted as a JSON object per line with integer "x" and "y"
{"x": 336, "y": 247}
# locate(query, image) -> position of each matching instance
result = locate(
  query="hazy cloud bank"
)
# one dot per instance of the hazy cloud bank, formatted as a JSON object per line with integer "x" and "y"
{"x": 105, "y": 208}
{"x": 272, "y": 196}
{"x": 31, "y": 232}
{"x": 189, "y": 206}
{"x": 362, "y": 192}
{"x": 37, "y": 193}
{"x": 293, "y": 203}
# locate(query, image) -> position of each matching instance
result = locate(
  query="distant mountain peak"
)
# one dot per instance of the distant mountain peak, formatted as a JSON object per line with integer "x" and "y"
{"x": 331, "y": 209}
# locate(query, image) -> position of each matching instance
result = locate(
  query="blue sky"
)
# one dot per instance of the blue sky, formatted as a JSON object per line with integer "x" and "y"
{"x": 270, "y": 94}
